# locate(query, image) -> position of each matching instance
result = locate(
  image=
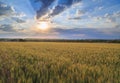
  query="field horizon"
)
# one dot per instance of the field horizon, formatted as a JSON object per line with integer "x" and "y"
{"x": 59, "y": 41}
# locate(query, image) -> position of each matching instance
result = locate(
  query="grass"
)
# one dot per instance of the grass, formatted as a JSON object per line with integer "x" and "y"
{"x": 40, "y": 62}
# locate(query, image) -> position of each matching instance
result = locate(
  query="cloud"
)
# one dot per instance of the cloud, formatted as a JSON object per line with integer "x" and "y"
{"x": 118, "y": 26}
{"x": 43, "y": 8}
{"x": 18, "y": 20}
{"x": 79, "y": 35}
{"x": 58, "y": 9}
{"x": 74, "y": 33}
{"x": 111, "y": 31}
{"x": 6, "y": 10}
{"x": 107, "y": 20}
{"x": 74, "y": 18}
{"x": 9, "y": 13}
{"x": 100, "y": 8}
{"x": 11, "y": 28}
{"x": 7, "y": 28}
{"x": 48, "y": 5}
{"x": 87, "y": 33}
{"x": 19, "y": 15}
{"x": 112, "y": 18}
{"x": 77, "y": 15}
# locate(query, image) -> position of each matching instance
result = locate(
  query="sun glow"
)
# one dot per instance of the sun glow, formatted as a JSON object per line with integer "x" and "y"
{"x": 43, "y": 25}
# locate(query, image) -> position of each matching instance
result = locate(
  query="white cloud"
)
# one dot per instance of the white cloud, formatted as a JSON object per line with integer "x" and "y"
{"x": 20, "y": 15}
{"x": 100, "y": 8}
{"x": 6, "y": 10}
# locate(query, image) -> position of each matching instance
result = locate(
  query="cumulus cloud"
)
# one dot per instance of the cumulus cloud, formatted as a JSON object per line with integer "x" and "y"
{"x": 117, "y": 14}
{"x": 7, "y": 28}
{"x": 48, "y": 5}
{"x": 100, "y": 8}
{"x": 111, "y": 18}
{"x": 11, "y": 28}
{"x": 6, "y": 10}
{"x": 77, "y": 15}
{"x": 18, "y": 20}
{"x": 107, "y": 20}
{"x": 19, "y": 15}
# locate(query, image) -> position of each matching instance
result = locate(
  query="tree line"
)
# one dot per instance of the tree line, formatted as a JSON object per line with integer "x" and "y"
{"x": 62, "y": 40}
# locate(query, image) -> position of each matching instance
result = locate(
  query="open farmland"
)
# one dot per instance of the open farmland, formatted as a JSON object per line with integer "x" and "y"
{"x": 44, "y": 62}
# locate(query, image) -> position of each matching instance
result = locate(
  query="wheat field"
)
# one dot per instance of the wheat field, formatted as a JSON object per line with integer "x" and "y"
{"x": 45, "y": 62}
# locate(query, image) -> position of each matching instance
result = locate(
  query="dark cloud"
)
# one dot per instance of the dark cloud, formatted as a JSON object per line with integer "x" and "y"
{"x": 7, "y": 28}
{"x": 68, "y": 2}
{"x": 117, "y": 26}
{"x": 6, "y": 9}
{"x": 45, "y": 3}
{"x": 88, "y": 33}
{"x": 111, "y": 31}
{"x": 74, "y": 18}
{"x": 62, "y": 5}
{"x": 56, "y": 9}
{"x": 44, "y": 8}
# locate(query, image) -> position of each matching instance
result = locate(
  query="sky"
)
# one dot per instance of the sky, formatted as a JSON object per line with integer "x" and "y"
{"x": 60, "y": 19}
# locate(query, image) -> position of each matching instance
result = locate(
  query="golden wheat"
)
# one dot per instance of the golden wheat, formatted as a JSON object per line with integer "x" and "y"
{"x": 32, "y": 62}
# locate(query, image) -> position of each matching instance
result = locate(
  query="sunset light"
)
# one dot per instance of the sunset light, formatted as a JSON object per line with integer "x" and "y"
{"x": 43, "y": 26}
{"x": 59, "y": 41}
